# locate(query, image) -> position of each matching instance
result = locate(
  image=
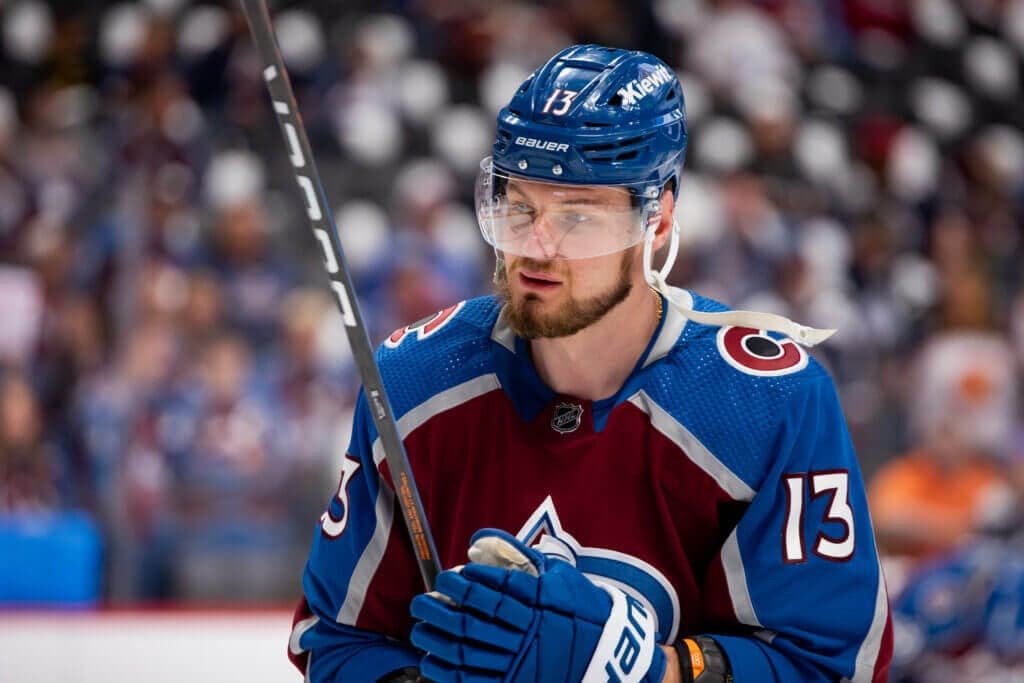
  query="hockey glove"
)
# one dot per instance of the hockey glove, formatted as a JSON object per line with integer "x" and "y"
{"x": 517, "y": 616}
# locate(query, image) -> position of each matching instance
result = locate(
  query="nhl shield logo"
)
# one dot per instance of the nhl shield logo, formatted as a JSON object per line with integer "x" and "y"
{"x": 567, "y": 417}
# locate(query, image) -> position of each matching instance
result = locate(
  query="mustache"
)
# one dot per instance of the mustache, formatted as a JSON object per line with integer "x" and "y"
{"x": 525, "y": 262}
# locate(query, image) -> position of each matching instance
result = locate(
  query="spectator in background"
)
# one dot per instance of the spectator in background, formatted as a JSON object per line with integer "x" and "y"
{"x": 929, "y": 501}
{"x": 29, "y": 467}
{"x": 747, "y": 259}
{"x": 203, "y": 310}
{"x": 314, "y": 407}
{"x": 234, "y": 535}
{"x": 254, "y": 277}
{"x": 117, "y": 412}
{"x": 18, "y": 204}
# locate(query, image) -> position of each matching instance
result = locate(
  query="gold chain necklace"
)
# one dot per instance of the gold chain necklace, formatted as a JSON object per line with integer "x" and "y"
{"x": 657, "y": 302}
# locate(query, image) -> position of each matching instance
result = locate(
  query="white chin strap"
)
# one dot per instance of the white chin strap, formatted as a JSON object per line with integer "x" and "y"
{"x": 802, "y": 334}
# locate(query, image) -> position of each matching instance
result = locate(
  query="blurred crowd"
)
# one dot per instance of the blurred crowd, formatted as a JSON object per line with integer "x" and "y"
{"x": 172, "y": 365}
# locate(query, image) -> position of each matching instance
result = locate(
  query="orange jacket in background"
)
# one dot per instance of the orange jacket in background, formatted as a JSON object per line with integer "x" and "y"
{"x": 921, "y": 506}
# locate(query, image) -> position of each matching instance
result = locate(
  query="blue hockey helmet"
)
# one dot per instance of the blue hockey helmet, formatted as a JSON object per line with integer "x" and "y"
{"x": 591, "y": 117}
{"x": 596, "y": 115}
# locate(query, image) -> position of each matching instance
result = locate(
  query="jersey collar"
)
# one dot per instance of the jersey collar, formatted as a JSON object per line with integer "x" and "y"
{"x": 530, "y": 395}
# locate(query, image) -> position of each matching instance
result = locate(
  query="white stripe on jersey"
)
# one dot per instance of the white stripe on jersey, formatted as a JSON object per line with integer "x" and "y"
{"x": 372, "y": 555}
{"x": 300, "y": 628}
{"x": 692, "y": 448}
{"x": 503, "y": 334}
{"x": 736, "y": 578}
{"x": 675, "y": 323}
{"x": 369, "y": 561}
{"x": 867, "y": 655}
{"x": 437, "y": 404}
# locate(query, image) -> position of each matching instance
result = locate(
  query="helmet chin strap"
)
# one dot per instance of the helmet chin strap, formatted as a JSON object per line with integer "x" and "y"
{"x": 673, "y": 250}
{"x": 499, "y": 267}
{"x": 802, "y": 334}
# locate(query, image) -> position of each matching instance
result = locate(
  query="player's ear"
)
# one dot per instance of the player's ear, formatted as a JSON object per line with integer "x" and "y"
{"x": 664, "y": 229}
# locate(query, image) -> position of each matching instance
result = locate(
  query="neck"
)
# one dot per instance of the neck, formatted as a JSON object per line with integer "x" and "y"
{"x": 595, "y": 362}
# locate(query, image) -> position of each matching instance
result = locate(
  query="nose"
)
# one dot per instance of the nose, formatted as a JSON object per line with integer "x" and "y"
{"x": 541, "y": 243}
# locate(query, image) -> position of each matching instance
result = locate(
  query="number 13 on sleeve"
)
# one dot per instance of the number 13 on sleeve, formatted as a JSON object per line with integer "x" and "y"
{"x": 836, "y": 545}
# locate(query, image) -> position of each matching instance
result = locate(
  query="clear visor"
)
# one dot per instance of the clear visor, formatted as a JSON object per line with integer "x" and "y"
{"x": 526, "y": 217}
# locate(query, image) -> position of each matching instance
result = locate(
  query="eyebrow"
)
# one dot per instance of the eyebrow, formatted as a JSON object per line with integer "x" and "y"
{"x": 577, "y": 200}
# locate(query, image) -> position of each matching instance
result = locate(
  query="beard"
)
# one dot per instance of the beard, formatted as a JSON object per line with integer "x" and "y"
{"x": 527, "y": 319}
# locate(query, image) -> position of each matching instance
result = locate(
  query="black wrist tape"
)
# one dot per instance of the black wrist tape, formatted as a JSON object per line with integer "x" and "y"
{"x": 701, "y": 660}
{"x": 406, "y": 675}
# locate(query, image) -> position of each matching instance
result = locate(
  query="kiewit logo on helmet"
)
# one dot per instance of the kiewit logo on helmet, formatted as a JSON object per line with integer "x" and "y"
{"x": 546, "y": 145}
{"x": 639, "y": 88}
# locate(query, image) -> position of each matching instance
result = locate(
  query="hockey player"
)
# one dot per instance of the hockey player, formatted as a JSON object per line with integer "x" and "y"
{"x": 649, "y": 487}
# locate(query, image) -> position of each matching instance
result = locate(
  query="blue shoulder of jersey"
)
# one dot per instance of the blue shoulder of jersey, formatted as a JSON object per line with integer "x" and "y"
{"x": 441, "y": 351}
{"x": 731, "y": 388}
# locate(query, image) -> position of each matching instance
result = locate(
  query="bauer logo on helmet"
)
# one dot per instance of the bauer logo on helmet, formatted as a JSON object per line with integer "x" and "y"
{"x": 546, "y": 145}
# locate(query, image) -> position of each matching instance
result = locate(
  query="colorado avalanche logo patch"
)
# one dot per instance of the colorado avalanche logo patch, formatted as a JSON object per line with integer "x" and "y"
{"x": 644, "y": 582}
{"x": 567, "y": 417}
{"x": 424, "y": 328}
{"x": 754, "y": 352}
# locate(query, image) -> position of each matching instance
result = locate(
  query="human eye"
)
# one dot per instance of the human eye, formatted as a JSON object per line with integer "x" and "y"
{"x": 570, "y": 220}
{"x": 519, "y": 216}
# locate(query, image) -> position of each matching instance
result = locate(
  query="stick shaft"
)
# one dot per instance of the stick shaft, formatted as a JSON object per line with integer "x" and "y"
{"x": 326, "y": 233}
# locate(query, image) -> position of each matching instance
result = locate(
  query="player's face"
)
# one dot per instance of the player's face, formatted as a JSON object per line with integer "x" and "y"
{"x": 557, "y": 297}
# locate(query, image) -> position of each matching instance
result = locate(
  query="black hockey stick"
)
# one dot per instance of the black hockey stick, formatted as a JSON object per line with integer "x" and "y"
{"x": 322, "y": 222}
